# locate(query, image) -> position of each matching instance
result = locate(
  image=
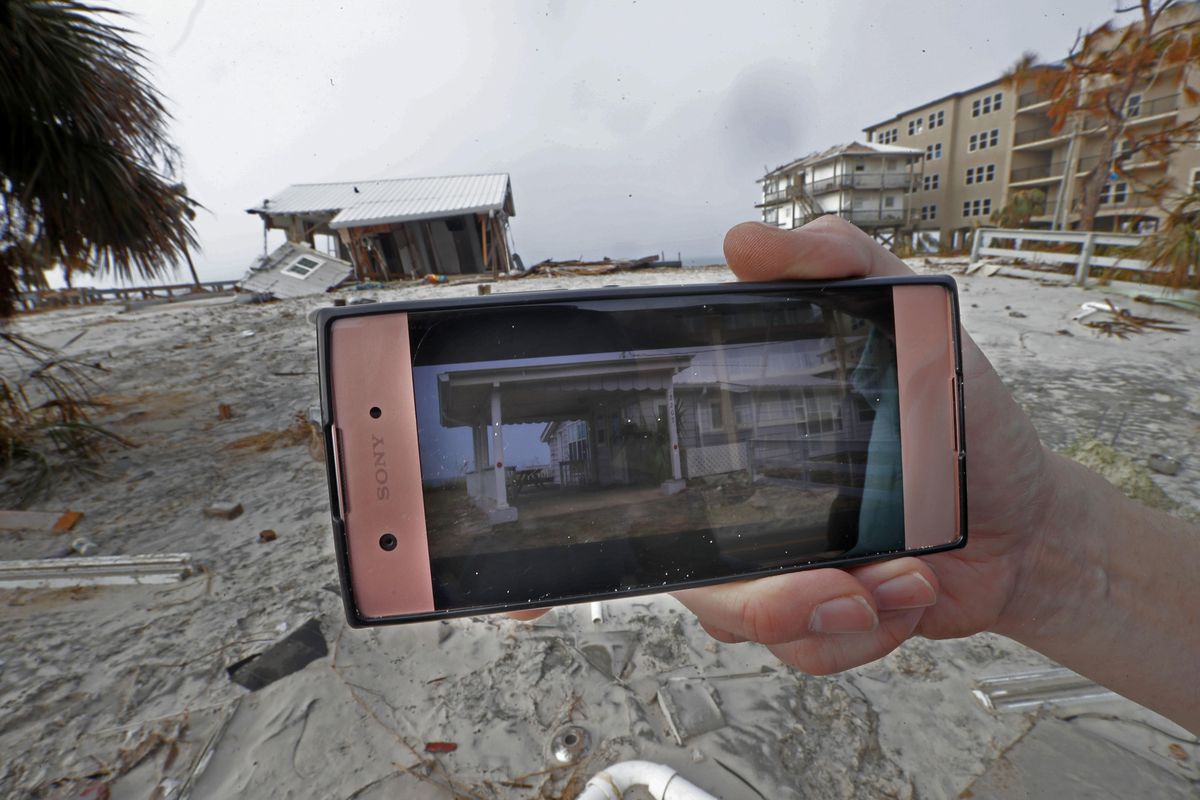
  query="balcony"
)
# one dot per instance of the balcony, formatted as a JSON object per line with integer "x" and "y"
{"x": 877, "y": 217}
{"x": 1031, "y": 98}
{"x": 1042, "y": 133}
{"x": 1038, "y": 172}
{"x": 773, "y": 198}
{"x": 865, "y": 180}
{"x": 1151, "y": 108}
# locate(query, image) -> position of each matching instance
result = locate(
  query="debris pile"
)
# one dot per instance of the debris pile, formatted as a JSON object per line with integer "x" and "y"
{"x": 1120, "y": 322}
{"x": 603, "y": 267}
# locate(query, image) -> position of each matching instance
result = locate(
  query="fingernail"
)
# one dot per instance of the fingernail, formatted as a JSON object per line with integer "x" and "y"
{"x": 851, "y": 614}
{"x": 910, "y": 590}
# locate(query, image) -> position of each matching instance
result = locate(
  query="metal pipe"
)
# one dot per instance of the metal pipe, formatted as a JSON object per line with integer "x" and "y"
{"x": 663, "y": 782}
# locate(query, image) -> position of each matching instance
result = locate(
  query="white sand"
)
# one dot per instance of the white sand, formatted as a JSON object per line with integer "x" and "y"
{"x": 130, "y": 682}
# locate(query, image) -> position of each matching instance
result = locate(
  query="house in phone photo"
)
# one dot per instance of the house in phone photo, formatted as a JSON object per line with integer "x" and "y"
{"x": 664, "y": 419}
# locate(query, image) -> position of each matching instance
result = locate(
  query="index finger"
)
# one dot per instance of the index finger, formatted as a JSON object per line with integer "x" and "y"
{"x": 828, "y": 248}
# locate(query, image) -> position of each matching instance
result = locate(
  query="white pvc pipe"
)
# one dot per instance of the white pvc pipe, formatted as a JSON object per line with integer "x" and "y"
{"x": 663, "y": 782}
{"x": 597, "y": 610}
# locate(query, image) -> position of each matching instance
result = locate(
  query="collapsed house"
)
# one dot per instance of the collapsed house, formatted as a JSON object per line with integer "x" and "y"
{"x": 294, "y": 270}
{"x": 400, "y": 228}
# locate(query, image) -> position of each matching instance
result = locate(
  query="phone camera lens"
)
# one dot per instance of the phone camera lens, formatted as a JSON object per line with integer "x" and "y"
{"x": 375, "y": 412}
{"x": 387, "y": 541}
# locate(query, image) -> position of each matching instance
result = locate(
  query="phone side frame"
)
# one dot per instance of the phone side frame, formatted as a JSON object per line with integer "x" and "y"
{"x": 325, "y": 318}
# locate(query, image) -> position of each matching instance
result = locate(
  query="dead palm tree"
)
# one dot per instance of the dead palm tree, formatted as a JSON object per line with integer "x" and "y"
{"x": 86, "y": 167}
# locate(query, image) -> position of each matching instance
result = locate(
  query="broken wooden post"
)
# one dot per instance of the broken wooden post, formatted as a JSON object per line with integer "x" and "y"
{"x": 1085, "y": 258}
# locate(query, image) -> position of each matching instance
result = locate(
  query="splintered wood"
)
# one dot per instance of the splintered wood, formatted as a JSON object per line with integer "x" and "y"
{"x": 603, "y": 267}
{"x": 56, "y": 521}
{"x": 1122, "y": 322}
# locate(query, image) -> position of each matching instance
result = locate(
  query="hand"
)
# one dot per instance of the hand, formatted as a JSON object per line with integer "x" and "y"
{"x": 827, "y": 620}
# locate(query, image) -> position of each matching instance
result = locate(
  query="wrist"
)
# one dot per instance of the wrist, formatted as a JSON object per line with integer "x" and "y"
{"x": 1063, "y": 567}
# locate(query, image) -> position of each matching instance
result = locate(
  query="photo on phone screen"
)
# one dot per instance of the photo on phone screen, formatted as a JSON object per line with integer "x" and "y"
{"x": 586, "y": 448}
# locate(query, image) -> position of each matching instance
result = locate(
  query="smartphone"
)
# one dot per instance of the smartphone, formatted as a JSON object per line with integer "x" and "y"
{"x": 533, "y": 449}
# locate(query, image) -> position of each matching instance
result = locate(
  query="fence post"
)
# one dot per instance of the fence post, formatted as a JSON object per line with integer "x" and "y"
{"x": 1085, "y": 257}
{"x": 976, "y": 243}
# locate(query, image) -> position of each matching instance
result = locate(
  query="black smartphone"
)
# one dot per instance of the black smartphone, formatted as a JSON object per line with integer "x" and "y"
{"x": 524, "y": 450}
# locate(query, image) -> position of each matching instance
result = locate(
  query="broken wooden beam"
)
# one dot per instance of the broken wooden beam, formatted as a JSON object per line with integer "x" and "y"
{"x": 58, "y": 573}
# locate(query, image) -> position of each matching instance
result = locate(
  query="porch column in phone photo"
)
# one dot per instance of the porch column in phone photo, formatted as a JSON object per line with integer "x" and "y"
{"x": 498, "y": 449}
{"x": 676, "y": 483}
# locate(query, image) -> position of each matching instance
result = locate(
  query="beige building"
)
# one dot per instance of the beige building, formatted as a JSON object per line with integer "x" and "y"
{"x": 868, "y": 184}
{"x": 983, "y": 144}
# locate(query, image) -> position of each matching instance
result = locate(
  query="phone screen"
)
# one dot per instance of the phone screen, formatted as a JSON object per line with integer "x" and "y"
{"x": 600, "y": 446}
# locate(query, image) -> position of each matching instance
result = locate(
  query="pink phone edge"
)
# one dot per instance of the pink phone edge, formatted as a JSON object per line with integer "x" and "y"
{"x": 378, "y": 466}
{"x": 929, "y": 403}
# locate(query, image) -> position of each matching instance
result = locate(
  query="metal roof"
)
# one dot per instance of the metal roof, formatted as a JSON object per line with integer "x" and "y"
{"x": 855, "y": 148}
{"x": 358, "y": 203}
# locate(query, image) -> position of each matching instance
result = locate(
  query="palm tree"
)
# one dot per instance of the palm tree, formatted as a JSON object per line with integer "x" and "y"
{"x": 1174, "y": 250}
{"x": 87, "y": 171}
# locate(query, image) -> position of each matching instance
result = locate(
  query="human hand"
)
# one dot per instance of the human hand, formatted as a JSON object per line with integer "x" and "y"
{"x": 827, "y": 620}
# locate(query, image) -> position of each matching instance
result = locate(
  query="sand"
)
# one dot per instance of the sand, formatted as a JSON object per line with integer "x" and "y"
{"x": 128, "y": 684}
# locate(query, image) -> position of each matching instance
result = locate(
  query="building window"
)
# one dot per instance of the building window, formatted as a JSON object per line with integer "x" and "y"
{"x": 771, "y": 216}
{"x": 889, "y": 136}
{"x": 977, "y": 208}
{"x": 715, "y": 421}
{"x": 930, "y": 182}
{"x": 889, "y": 202}
{"x": 1133, "y": 106}
{"x": 982, "y": 141}
{"x": 916, "y": 126}
{"x": 1115, "y": 193}
{"x": 994, "y": 136}
{"x": 302, "y": 267}
{"x": 937, "y": 119}
{"x": 933, "y": 151}
{"x": 986, "y": 105}
{"x": 981, "y": 173}
{"x": 928, "y": 212}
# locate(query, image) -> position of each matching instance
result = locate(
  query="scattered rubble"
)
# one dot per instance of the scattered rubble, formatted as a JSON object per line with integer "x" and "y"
{"x": 290, "y": 654}
{"x": 224, "y": 510}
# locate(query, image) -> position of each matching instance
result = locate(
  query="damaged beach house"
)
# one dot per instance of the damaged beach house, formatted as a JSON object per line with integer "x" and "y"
{"x": 384, "y": 230}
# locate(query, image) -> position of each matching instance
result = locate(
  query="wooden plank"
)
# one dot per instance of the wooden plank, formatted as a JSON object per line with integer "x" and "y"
{"x": 57, "y": 573}
{"x": 58, "y": 521}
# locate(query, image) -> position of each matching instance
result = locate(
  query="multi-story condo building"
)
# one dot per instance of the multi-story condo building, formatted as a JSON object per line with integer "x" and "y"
{"x": 982, "y": 145}
{"x": 868, "y": 184}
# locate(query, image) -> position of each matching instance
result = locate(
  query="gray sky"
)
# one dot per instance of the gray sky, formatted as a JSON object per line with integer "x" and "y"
{"x": 627, "y": 127}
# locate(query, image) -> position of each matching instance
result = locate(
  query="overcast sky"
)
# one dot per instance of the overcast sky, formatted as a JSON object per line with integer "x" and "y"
{"x": 627, "y": 127}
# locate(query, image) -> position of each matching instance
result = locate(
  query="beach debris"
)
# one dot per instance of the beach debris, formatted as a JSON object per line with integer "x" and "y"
{"x": 596, "y": 608}
{"x": 610, "y": 652}
{"x": 246, "y": 334}
{"x": 1163, "y": 465}
{"x": 87, "y": 789}
{"x": 253, "y": 298}
{"x": 57, "y": 521}
{"x": 484, "y": 288}
{"x": 267, "y": 535}
{"x": 1017, "y": 315}
{"x": 290, "y": 654}
{"x": 362, "y": 301}
{"x": 57, "y": 573}
{"x": 436, "y": 279}
{"x": 224, "y": 411}
{"x": 84, "y": 546}
{"x": 1120, "y": 322}
{"x": 302, "y": 430}
{"x": 601, "y": 267}
{"x": 690, "y": 708}
{"x": 224, "y": 510}
{"x": 1029, "y": 691}
{"x": 440, "y": 747}
{"x": 570, "y": 744}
